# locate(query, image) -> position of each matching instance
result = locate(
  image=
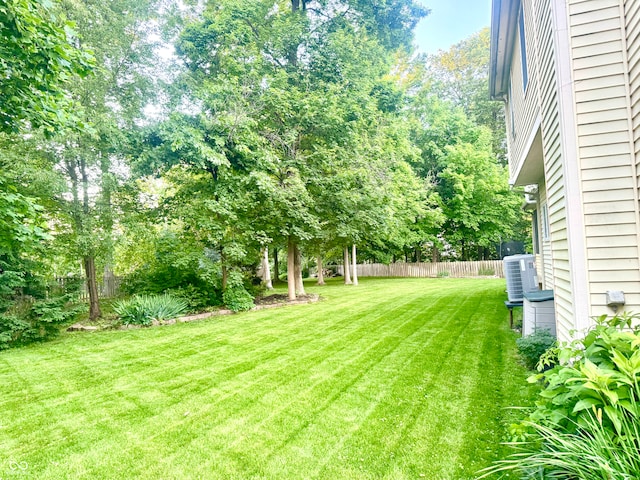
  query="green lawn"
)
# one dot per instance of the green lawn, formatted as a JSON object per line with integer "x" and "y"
{"x": 393, "y": 379}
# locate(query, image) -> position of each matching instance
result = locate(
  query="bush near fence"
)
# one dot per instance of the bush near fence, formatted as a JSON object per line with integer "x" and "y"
{"x": 430, "y": 270}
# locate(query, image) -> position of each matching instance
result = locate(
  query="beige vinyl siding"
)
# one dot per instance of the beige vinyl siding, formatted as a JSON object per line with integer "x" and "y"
{"x": 555, "y": 254}
{"x": 631, "y": 277}
{"x": 632, "y": 17}
{"x": 605, "y": 148}
{"x": 525, "y": 103}
{"x": 544, "y": 261}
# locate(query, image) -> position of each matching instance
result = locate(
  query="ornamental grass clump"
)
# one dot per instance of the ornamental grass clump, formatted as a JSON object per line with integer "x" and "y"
{"x": 145, "y": 309}
{"x": 587, "y": 419}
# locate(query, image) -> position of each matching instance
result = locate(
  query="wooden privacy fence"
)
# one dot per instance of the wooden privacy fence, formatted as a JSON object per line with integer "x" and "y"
{"x": 426, "y": 270}
{"x": 108, "y": 288}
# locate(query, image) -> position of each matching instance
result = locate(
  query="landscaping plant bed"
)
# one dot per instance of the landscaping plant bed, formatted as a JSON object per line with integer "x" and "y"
{"x": 269, "y": 301}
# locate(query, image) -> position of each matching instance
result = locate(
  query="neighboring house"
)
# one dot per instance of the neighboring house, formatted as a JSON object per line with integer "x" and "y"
{"x": 569, "y": 74}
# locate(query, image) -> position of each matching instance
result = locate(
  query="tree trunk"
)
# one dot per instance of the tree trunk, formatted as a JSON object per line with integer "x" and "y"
{"x": 266, "y": 271}
{"x": 225, "y": 277}
{"x": 276, "y": 266}
{"x": 320, "y": 270}
{"x": 89, "y": 258}
{"x": 291, "y": 279}
{"x": 354, "y": 274}
{"x": 347, "y": 276}
{"x": 225, "y": 272}
{"x": 92, "y": 287}
{"x": 298, "y": 270}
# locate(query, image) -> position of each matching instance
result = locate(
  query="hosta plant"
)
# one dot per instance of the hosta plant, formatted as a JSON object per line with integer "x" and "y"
{"x": 586, "y": 421}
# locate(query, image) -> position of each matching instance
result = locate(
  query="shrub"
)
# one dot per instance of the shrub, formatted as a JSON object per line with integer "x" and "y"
{"x": 443, "y": 274}
{"x": 532, "y": 347}
{"x": 600, "y": 371}
{"x": 144, "y": 309}
{"x": 180, "y": 267}
{"x": 32, "y": 320}
{"x": 586, "y": 422}
{"x": 236, "y": 297}
{"x": 197, "y": 298}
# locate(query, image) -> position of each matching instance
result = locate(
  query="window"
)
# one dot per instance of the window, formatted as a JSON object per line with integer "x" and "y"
{"x": 523, "y": 49}
{"x": 545, "y": 222}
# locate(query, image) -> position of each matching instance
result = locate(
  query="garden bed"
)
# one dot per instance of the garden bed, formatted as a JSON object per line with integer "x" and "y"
{"x": 270, "y": 301}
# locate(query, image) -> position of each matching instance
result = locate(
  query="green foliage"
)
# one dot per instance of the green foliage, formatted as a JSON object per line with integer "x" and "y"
{"x": 172, "y": 263}
{"x": 532, "y": 347}
{"x": 460, "y": 133}
{"x": 590, "y": 450}
{"x": 601, "y": 371}
{"x": 198, "y": 297}
{"x": 37, "y": 63}
{"x": 145, "y": 309}
{"x": 461, "y": 75}
{"x": 236, "y": 297}
{"x": 32, "y": 320}
{"x": 588, "y": 415}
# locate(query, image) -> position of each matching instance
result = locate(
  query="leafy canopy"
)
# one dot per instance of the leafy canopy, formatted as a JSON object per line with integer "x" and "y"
{"x": 37, "y": 63}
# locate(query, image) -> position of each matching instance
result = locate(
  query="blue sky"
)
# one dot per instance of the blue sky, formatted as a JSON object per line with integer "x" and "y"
{"x": 449, "y": 22}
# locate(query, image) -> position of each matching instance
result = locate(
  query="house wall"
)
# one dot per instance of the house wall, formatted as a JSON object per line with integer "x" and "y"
{"x": 523, "y": 101}
{"x": 632, "y": 26}
{"x": 544, "y": 263}
{"x": 561, "y": 257}
{"x": 632, "y": 15}
{"x": 604, "y": 100}
{"x": 539, "y": 107}
{"x": 584, "y": 96}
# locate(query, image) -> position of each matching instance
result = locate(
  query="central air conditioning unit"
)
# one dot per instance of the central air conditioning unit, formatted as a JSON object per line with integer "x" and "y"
{"x": 520, "y": 272}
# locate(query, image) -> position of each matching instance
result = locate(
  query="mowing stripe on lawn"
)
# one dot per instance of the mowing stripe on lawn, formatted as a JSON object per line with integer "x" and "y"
{"x": 391, "y": 379}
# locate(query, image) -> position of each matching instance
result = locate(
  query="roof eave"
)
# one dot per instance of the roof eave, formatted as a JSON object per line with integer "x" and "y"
{"x": 504, "y": 21}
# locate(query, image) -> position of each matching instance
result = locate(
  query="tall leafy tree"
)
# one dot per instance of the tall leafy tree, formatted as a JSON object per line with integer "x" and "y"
{"x": 112, "y": 101}
{"x": 282, "y": 89}
{"x": 460, "y": 133}
{"x": 39, "y": 61}
{"x": 461, "y": 75}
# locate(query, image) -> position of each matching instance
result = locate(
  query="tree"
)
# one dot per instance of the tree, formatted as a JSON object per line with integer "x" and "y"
{"x": 38, "y": 63}
{"x": 112, "y": 101}
{"x": 457, "y": 130}
{"x": 284, "y": 92}
{"x": 479, "y": 206}
{"x": 461, "y": 76}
